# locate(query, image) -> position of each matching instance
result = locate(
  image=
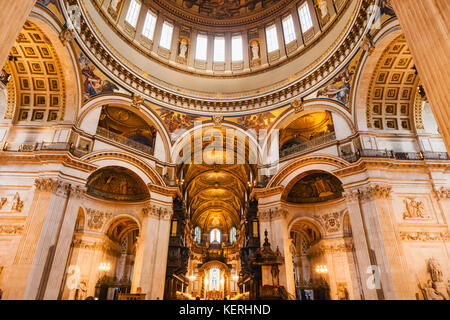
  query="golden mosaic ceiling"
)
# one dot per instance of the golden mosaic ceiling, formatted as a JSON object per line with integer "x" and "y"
{"x": 215, "y": 195}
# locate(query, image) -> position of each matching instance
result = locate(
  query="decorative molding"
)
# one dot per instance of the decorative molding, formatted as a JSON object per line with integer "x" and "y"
{"x": 11, "y": 230}
{"x": 424, "y": 236}
{"x": 323, "y": 248}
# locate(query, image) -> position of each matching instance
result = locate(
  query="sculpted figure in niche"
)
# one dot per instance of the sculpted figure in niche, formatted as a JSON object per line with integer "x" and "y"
{"x": 255, "y": 50}
{"x": 115, "y": 4}
{"x": 323, "y": 7}
{"x": 183, "y": 49}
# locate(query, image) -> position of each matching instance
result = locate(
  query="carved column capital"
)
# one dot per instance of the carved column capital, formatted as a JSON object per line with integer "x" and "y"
{"x": 442, "y": 193}
{"x": 272, "y": 214}
{"x": 158, "y": 211}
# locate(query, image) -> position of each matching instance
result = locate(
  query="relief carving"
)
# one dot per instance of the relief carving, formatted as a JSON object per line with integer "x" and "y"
{"x": 96, "y": 218}
{"x": 162, "y": 213}
{"x": 331, "y": 221}
{"x": 414, "y": 210}
{"x": 423, "y": 236}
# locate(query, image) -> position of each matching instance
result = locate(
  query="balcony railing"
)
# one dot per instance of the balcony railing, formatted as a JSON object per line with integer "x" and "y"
{"x": 124, "y": 140}
{"x": 45, "y": 146}
{"x": 389, "y": 154}
{"x": 306, "y": 146}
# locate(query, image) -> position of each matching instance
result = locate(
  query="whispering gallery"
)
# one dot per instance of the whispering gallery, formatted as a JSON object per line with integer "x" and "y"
{"x": 224, "y": 150}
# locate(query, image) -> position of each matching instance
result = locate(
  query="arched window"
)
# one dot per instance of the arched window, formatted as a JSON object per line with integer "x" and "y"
{"x": 233, "y": 235}
{"x": 214, "y": 235}
{"x": 214, "y": 278}
{"x": 197, "y": 235}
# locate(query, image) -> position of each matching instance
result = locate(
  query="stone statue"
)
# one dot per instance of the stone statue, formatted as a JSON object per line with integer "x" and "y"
{"x": 323, "y": 7}
{"x": 435, "y": 270}
{"x": 255, "y": 51}
{"x": 432, "y": 293}
{"x": 183, "y": 49}
{"x": 275, "y": 275}
{"x": 115, "y": 4}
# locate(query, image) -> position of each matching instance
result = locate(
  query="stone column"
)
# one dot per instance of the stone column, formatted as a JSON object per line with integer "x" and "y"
{"x": 360, "y": 242}
{"x": 426, "y": 26}
{"x": 152, "y": 248}
{"x": 62, "y": 246}
{"x": 377, "y": 209}
{"x": 40, "y": 232}
{"x": 13, "y": 15}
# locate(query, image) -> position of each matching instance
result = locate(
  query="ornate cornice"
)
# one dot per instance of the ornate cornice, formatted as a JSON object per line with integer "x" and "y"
{"x": 369, "y": 193}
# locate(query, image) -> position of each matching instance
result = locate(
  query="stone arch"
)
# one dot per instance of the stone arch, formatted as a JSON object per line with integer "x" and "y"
{"x": 295, "y": 168}
{"x": 110, "y": 228}
{"x": 118, "y": 184}
{"x": 308, "y": 221}
{"x": 44, "y": 87}
{"x": 186, "y": 137}
{"x": 386, "y": 97}
{"x": 305, "y": 174}
{"x": 90, "y": 113}
{"x": 127, "y": 160}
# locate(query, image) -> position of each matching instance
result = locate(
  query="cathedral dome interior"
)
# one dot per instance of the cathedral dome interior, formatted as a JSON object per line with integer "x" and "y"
{"x": 224, "y": 150}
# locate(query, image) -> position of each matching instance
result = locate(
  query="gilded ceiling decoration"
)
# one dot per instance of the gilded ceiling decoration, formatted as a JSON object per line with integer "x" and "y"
{"x": 392, "y": 93}
{"x": 316, "y": 187}
{"x": 38, "y": 78}
{"x": 215, "y": 195}
{"x": 201, "y": 101}
{"x": 224, "y": 9}
{"x": 127, "y": 124}
{"x": 306, "y": 128}
{"x": 116, "y": 183}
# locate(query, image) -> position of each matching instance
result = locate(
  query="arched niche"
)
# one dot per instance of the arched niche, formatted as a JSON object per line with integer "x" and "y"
{"x": 117, "y": 183}
{"x": 313, "y": 187}
{"x": 91, "y": 113}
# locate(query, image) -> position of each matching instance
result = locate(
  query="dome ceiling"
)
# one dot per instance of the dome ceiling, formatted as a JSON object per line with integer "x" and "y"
{"x": 221, "y": 12}
{"x": 169, "y": 73}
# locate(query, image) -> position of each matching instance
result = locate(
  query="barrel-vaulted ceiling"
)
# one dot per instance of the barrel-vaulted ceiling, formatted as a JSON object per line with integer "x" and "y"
{"x": 215, "y": 194}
